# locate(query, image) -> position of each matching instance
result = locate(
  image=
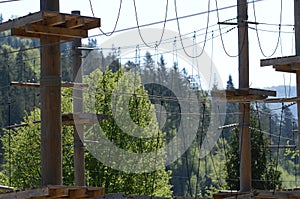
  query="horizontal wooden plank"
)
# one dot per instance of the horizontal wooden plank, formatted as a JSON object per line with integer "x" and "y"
{"x": 242, "y": 92}
{"x": 281, "y": 100}
{"x": 75, "y": 23}
{"x": 256, "y": 91}
{"x": 245, "y": 99}
{"x": 82, "y": 118}
{"x": 74, "y": 85}
{"x": 56, "y": 31}
{"x": 22, "y": 21}
{"x": 78, "y": 193}
{"x": 56, "y": 192}
{"x": 55, "y": 20}
{"x": 96, "y": 192}
{"x": 290, "y": 68}
{"x": 280, "y": 61}
{"x": 92, "y": 24}
{"x": 229, "y": 126}
{"x": 31, "y": 193}
{"x": 20, "y": 32}
{"x": 6, "y": 188}
{"x": 281, "y": 146}
{"x": 277, "y": 194}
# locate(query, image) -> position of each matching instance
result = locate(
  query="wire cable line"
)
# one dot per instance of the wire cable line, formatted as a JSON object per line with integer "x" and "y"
{"x": 279, "y": 32}
{"x": 222, "y": 40}
{"x": 117, "y": 20}
{"x": 179, "y": 31}
{"x": 139, "y": 30}
{"x": 9, "y": 1}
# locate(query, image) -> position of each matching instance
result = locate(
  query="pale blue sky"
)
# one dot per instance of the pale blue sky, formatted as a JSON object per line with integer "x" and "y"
{"x": 151, "y": 11}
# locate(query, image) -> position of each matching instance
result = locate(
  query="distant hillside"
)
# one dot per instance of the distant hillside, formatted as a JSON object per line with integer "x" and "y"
{"x": 284, "y": 91}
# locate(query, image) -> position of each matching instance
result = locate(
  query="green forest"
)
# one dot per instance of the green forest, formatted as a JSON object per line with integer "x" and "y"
{"x": 188, "y": 176}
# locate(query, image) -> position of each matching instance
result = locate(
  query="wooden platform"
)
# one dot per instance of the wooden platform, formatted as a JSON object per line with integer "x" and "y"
{"x": 277, "y": 194}
{"x": 65, "y": 26}
{"x": 260, "y": 194}
{"x": 37, "y": 85}
{"x": 229, "y": 194}
{"x": 243, "y": 94}
{"x": 289, "y": 64}
{"x": 55, "y": 192}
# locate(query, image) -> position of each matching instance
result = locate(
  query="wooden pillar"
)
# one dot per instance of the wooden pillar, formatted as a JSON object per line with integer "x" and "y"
{"x": 51, "y": 140}
{"x": 79, "y": 166}
{"x": 297, "y": 42}
{"x": 244, "y": 118}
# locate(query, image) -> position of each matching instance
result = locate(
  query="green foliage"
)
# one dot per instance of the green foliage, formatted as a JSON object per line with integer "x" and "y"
{"x": 264, "y": 174}
{"x": 22, "y": 154}
{"x": 22, "y": 146}
{"x": 141, "y": 111}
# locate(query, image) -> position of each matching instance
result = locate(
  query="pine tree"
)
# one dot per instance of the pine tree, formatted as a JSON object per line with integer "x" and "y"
{"x": 231, "y": 111}
{"x": 264, "y": 174}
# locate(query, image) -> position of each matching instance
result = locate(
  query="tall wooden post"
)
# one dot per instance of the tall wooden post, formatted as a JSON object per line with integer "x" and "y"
{"x": 297, "y": 42}
{"x": 51, "y": 136}
{"x": 79, "y": 166}
{"x": 244, "y": 118}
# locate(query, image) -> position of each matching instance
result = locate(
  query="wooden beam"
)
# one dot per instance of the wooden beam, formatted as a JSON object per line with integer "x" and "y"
{"x": 92, "y": 24}
{"x": 279, "y": 194}
{"x": 6, "y": 188}
{"x": 229, "y": 126}
{"x": 77, "y": 193}
{"x": 241, "y": 99}
{"x": 256, "y": 91}
{"x": 53, "y": 21}
{"x": 82, "y": 118}
{"x": 22, "y": 21}
{"x": 56, "y": 31}
{"x": 243, "y": 92}
{"x": 20, "y": 32}
{"x": 96, "y": 192}
{"x": 75, "y": 23}
{"x": 21, "y": 125}
{"x": 280, "y": 61}
{"x": 31, "y": 193}
{"x": 289, "y": 68}
{"x": 74, "y": 85}
{"x": 281, "y": 100}
{"x": 282, "y": 146}
{"x": 56, "y": 192}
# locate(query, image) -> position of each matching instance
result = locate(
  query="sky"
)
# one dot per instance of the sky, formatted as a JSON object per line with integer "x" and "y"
{"x": 267, "y": 11}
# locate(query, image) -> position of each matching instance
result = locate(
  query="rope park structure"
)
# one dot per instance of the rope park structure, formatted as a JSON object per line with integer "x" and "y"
{"x": 65, "y": 27}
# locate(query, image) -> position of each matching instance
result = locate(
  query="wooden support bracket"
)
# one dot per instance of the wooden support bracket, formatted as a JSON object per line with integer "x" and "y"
{"x": 242, "y": 95}
{"x": 55, "y": 31}
{"x": 289, "y": 64}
